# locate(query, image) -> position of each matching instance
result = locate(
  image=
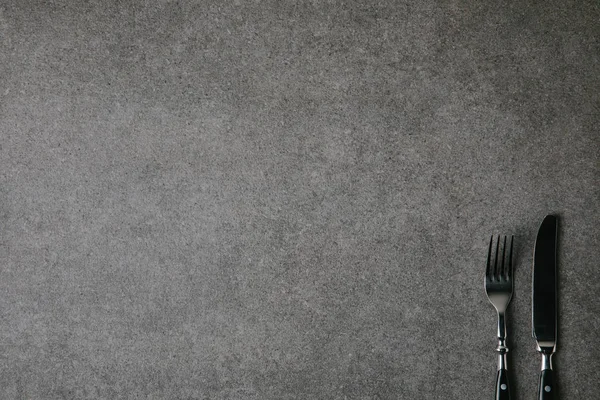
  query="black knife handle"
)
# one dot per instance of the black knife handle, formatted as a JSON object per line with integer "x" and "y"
{"x": 502, "y": 387}
{"x": 547, "y": 386}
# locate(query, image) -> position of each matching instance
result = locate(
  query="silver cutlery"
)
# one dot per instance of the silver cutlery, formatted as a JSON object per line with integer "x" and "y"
{"x": 544, "y": 301}
{"x": 499, "y": 288}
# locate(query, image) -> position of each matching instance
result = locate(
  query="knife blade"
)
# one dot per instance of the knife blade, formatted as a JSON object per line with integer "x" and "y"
{"x": 544, "y": 302}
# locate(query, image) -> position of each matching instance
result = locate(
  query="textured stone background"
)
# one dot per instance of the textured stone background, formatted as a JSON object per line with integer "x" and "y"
{"x": 291, "y": 199}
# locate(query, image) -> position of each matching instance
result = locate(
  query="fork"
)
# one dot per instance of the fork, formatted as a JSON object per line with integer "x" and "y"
{"x": 499, "y": 289}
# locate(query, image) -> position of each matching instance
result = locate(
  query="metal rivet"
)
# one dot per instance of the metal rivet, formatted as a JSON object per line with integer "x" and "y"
{"x": 547, "y": 388}
{"x": 503, "y": 386}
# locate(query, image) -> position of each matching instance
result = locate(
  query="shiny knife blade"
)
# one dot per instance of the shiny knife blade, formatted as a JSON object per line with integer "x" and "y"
{"x": 544, "y": 301}
{"x": 544, "y": 284}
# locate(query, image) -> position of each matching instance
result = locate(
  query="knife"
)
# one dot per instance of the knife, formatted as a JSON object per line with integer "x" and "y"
{"x": 544, "y": 303}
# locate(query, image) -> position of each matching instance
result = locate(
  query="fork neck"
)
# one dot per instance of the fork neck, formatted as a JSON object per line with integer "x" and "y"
{"x": 501, "y": 326}
{"x": 502, "y": 349}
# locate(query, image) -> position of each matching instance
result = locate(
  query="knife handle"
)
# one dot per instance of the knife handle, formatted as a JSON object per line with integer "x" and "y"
{"x": 547, "y": 387}
{"x": 502, "y": 387}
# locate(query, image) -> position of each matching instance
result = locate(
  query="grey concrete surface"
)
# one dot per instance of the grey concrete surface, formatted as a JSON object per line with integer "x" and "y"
{"x": 291, "y": 199}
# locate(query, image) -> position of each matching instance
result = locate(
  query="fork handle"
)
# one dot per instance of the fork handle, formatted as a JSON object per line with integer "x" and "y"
{"x": 502, "y": 387}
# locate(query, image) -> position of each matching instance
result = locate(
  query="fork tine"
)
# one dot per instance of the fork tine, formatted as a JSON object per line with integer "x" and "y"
{"x": 510, "y": 264}
{"x": 496, "y": 274}
{"x": 503, "y": 266}
{"x": 489, "y": 259}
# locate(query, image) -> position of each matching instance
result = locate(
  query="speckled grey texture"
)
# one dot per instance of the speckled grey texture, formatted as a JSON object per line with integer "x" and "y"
{"x": 291, "y": 200}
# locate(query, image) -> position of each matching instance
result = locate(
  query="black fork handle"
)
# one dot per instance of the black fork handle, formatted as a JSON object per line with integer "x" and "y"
{"x": 502, "y": 386}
